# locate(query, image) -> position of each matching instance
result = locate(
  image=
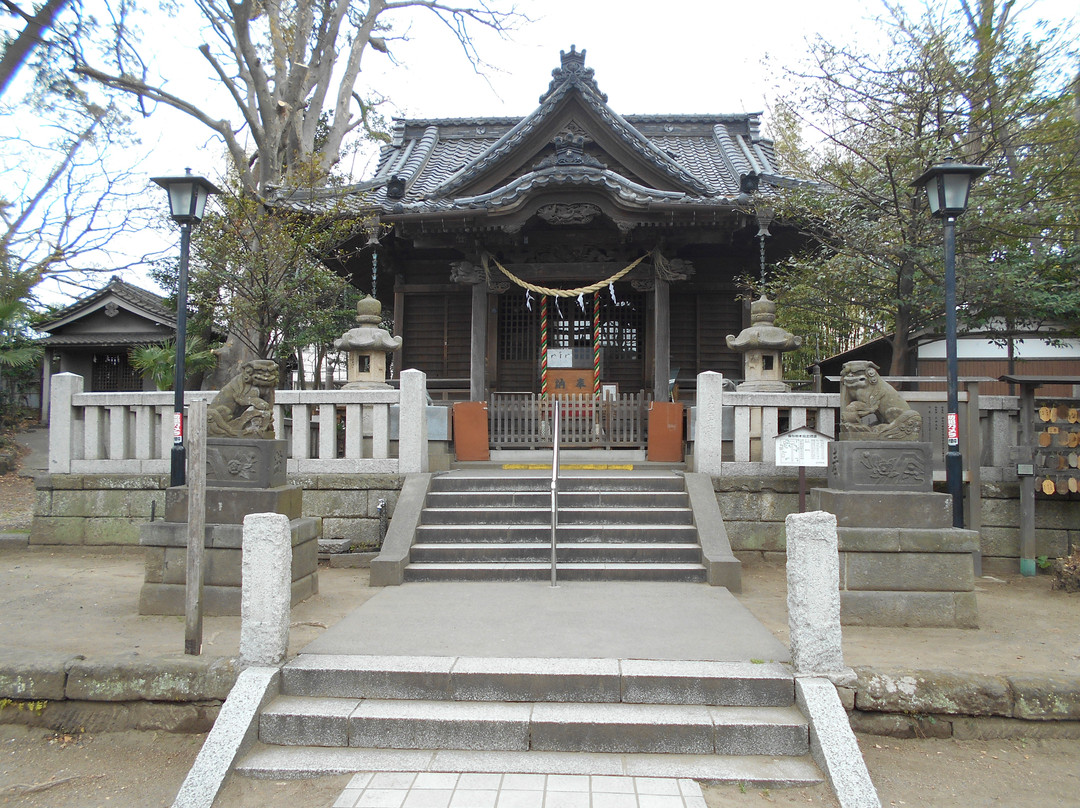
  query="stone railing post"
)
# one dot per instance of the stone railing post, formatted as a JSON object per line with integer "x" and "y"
{"x": 708, "y": 440}
{"x": 266, "y": 589}
{"x": 412, "y": 423}
{"x": 63, "y": 388}
{"x": 813, "y": 599}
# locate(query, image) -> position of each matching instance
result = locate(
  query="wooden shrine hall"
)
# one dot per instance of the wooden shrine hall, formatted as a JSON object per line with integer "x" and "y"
{"x": 574, "y": 250}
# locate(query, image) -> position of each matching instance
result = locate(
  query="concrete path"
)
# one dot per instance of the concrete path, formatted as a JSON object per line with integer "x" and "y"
{"x": 37, "y": 461}
{"x": 581, "y": 620}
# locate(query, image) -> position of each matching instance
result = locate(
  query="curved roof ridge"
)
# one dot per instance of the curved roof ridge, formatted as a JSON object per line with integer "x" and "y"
{"x": 578, "y": 78}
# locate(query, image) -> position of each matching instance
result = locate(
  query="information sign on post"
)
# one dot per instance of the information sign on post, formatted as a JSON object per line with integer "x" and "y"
{"x": 802, "y": 447}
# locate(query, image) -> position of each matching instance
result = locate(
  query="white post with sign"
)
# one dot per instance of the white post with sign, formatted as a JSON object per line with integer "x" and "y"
{"x": 802, "y": 447}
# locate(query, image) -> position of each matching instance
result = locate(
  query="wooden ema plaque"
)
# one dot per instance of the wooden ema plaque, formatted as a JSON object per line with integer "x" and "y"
{"x": 570, "y": 381}
{"x": 1057, "y": 447}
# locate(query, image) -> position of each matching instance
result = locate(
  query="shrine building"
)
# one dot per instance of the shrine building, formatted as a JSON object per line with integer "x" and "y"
{"x": 572, "y": 250}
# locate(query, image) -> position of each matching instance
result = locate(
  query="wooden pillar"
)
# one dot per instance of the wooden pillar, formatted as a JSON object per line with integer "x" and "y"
{"x": 478, "y": 345}
{"x": 399, "y": 318}
{"x": 661, "y": 340}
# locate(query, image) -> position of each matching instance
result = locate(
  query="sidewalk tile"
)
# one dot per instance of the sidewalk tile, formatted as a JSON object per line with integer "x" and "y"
{"x": 474, "y": 798}
{"x": 614, "y": 800}
{"x": 382, "y": 798}
{"x": 476, "y": 780}
{"x": 436, "y": 780}
{"x": 660, "y": 801}
{"x": 523, "y": 782}
{"x": 610, "y": 784}
{"x": 428, "y": 798}
{"x": 566, "y": 799}
{"x": 392, "y": 780}
{"x": 667, "y": 786}
{"x": 568, "y": 782}
{"x": 348, "y": 798}
{"x": 520, "y": 799}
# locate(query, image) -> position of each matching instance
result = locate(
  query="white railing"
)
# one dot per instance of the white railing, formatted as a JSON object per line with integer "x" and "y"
{"x": 734, "y": 433}
{"x": 328, "y": 431}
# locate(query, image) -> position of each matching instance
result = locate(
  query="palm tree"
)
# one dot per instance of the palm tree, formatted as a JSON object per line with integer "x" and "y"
{"x": 159, "y": 361}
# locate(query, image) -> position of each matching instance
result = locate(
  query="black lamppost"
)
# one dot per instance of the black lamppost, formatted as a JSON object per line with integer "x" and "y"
{"x": 947, "y": 185}
{"x": 187, "y": 202}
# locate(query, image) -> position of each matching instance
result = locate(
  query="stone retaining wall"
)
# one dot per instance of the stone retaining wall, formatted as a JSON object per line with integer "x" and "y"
{"x": 106, "y": 510}
{"x": 67, "y": 692}
{"x": 754, "y": 510}
{"x": 965, "y": 706}
{"x": 103, "y": 510}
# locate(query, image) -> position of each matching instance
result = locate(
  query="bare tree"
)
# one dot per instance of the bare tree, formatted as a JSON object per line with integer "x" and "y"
{"x": 291, "y": 69}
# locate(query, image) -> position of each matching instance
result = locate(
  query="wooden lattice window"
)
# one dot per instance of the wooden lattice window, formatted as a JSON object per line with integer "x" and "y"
{"x": 622, "y": 325}
{"x": 113, "y": 373}
{"x": 519, "y": 329}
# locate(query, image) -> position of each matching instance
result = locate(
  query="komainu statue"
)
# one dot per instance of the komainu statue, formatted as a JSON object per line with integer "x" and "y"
{"x": 244, "y": 407}
{"x": 870, "y": 409}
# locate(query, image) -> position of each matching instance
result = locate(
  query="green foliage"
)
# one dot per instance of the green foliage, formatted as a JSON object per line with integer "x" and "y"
{"x": 159, "y": 361}
{"x": 863, "y": 125}
{"x": 257, "y": 273}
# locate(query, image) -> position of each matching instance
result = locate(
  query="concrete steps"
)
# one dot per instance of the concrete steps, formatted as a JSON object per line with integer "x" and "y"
{"x": 725, "y": 721}
{"x": 615, "y": 526}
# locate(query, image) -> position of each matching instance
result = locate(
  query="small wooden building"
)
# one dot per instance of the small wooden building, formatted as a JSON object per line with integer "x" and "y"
{"x": 94, "y": 336}
{"x": 644, "y": 223}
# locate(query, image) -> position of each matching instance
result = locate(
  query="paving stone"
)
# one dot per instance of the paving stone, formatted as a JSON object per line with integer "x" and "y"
{"x": 1046, "y": 697}
{"x": 911, "y": 572}
{"x": 934, "y": 692}
{"x": 913, "y": 609}
{"x": 439, "y": 725}
{"x": 181, "y": 678}
{"x": 622, "y": 728}
{"x": 33, "y": 675}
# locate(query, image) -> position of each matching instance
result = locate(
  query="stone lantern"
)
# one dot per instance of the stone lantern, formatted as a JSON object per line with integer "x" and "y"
{"x": 367, "y": 346}
{"x": 762, "y": 345}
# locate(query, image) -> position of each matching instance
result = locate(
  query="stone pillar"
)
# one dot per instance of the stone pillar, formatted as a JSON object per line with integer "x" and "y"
{"x": 708, "y": 440}
{"x": 813, "y": 579}
{"x": 65, "y": 386}
{"x": 478, "y": 353}
{"x": 266, "y": 572}
{"x": 412, "y": 423}
{"x": 661, "y": 340}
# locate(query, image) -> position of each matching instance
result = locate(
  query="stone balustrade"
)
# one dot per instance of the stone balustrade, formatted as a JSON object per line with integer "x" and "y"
{"x": 328, "y": 431}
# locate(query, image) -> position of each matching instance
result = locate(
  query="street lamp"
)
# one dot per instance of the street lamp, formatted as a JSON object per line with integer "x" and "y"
{"x": 187, "y": 202}
{"x": 947, "y": 185}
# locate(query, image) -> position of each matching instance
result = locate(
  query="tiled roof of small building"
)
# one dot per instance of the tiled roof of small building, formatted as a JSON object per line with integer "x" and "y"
{"x": 430, "y": 163}
{"x": 146, "y": 303}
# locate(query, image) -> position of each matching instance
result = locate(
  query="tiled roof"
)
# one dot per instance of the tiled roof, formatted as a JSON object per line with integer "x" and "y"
{"x": 118, "y": 338}
{"x": 144, "y": 302}
{"x": 437, "y": 160}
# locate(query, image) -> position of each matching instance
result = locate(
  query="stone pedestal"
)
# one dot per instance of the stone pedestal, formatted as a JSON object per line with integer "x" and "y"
{"x": 901, "y": 561}
{"x": 243, "y": 477}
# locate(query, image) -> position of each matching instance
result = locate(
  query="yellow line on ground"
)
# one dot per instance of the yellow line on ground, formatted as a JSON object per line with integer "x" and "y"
{"x": 572, "y": 466}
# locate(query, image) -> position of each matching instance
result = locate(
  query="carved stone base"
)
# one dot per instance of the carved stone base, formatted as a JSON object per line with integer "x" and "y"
{"x": 165, "y": 542}
{"x": 880, "y": 466}
{"x": 902, "y": 563}
{"x": 245, "y": 462}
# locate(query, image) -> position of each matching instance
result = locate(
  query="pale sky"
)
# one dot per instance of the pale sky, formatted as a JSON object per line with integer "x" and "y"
{"x": 649, "y": 56}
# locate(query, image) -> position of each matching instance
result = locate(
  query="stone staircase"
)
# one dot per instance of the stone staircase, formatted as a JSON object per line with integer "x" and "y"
{"x": 723, "y": 721}
{"x": 496, "y": 526}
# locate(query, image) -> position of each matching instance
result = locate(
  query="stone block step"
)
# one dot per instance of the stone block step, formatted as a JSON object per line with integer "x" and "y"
{"x": 508, "y": 534}
{"x": 534, "y": 726}
{"x": 296, "y": 762}
{"x": 567, "y": 499}
{"x": 526, "y": 571}
{"x": 538, "y": 552}
{"x": 567, "y": 516}
{"x": 736, "y": 684}
{"x": 505, "y": 480}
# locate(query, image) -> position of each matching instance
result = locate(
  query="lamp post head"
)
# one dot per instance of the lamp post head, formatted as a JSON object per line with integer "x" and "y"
{"x": 947, "y": 185}
{"x": 187, "y": 196}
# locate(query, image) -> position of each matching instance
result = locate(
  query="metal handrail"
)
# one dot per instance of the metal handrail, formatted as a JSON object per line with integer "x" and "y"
{"x": 555, "y": 439}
